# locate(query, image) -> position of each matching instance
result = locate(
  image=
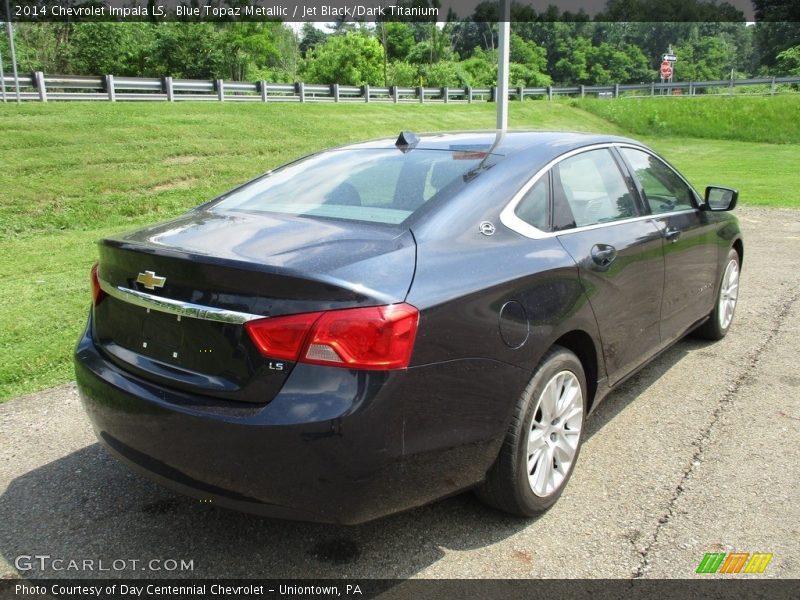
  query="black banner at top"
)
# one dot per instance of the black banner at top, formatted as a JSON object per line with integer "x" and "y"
{"x": 378, "y": 10}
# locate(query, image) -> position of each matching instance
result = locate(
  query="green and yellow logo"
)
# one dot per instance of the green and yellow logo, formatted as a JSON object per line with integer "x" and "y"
{"x": 735, "y": 562}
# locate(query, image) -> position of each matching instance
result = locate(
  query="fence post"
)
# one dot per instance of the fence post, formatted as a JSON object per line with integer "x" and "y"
{"x": 220, "y": 90}
{"x": 395, "y": 94}
{"x": 112, "y": 96}
{"x": 583, "y": 91}
{"x": 264, "y": 90}
{"x": 691, "y": 88}
{"x": 731, "y": 86}
{"x": 300, "y": 87}
{"x": 493, "y": 94}
{"x": 421, "y": 94}
{"x": 167, "y": 83}
{"x": 616, "y": 90}
{"x": 336, "y": 92}
{"x": 468, "y": 94}
{"x": 520, "y": 93}
{"x": 772, "y": 86}
{"x": 549, "y": 92}
{"x": 39, "y": 76}
{"x": 446, "y": 94}
{"x": 365, "y": 92}
{"x": 652, "y": 88}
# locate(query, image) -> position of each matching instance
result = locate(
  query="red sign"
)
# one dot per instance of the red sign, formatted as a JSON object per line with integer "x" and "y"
{"x": 666, "y": 70}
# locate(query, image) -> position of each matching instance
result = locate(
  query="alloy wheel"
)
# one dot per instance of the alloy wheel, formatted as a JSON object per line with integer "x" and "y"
{"x": 728, "y": 294}
{"x": 555, "y": 432}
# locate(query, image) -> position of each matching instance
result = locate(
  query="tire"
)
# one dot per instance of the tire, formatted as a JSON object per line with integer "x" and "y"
{"x": 721, "y": 318}
{"x": 511, "y": 484}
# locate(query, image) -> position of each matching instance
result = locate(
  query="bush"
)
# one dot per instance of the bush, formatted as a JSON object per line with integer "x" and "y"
{"x": 355, "y": 58}
{"x": 403, "y": 74}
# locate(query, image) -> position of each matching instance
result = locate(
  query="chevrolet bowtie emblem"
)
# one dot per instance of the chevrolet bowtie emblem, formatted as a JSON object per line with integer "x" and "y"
{"x": 150, "y": 280}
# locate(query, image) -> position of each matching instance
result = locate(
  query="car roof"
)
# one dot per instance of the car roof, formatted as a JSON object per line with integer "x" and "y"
{"x": 546, "y": 143}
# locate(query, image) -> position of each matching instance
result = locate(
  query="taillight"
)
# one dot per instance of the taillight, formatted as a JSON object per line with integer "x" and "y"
{"x": 281, "y": 337}
{"x": 375, "y": 337}
{"x": 97, "y": 292}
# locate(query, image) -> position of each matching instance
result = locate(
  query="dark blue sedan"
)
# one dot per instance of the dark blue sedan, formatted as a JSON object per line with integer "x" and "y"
{"x": 376, "y": 326}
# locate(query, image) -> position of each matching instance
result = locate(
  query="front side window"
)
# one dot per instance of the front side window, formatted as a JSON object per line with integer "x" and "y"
{"x": 664, "y": 190}
{"x": 377, "y": 185}
{"x": 589, "y": 189}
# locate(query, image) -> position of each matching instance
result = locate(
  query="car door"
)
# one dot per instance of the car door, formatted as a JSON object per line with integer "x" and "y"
{"x": 690, "y": 241}
{"x": 599, "y": 221}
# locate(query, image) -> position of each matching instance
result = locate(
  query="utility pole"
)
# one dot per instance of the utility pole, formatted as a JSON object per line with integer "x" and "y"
{"x": 10, "y": 31}
{"x": 502, "y": 66}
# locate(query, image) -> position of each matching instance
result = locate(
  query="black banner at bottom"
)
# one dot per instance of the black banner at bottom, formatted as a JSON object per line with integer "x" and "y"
{"x": 396, "y": 589}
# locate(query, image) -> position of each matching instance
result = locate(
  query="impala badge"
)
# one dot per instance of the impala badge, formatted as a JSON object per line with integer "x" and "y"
{"x": 150, "y": 280}
{"x": 486, "y": 228}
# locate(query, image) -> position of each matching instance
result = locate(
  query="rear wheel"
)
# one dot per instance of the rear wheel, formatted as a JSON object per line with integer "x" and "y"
{"x": 543, "y": 440}
{"x": 720, "y": 319}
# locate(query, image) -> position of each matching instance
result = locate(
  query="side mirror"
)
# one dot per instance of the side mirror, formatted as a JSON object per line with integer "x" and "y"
{"x": 720, "y": 198}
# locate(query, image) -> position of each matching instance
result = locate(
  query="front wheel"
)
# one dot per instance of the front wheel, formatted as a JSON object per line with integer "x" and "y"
{"x": 543, "y": 440}
{"x": 720, "y": 319}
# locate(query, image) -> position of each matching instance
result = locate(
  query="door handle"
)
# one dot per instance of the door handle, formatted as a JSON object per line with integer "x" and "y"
{"x": 672, "y": 234}
{"x": 603, "y": 254}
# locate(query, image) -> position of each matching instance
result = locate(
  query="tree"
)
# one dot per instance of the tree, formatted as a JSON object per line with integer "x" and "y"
{"x": 311, "y": 38}
{"x": 190, "y": 51}
{"x": 40, "y": 47}
{"x": 788, "y": 61}
{"x": 355, "y": 58}
{"x": 703, "y": 58}
{"x": 527, "y": 53}
{"x": 573, "y": 64}
{"x": 480, "y": 69}
{"x": 256, "y": 50}
{"x": 466, "y": 37}
{"x": 431, "y": 51}
{"x": 284, "y": 65}
{"x": 401, "y": 73}
{"x": 399, "y": 39}
{"x": 655, "y": 24}
{"x": 673, "y": 11}
{"x": 119, "y": 48}
{"x": 777, "y": 28}
{"x": 443, "y": 73}
{"x": 523, "y": 76}
{"x": 528, "y": 63}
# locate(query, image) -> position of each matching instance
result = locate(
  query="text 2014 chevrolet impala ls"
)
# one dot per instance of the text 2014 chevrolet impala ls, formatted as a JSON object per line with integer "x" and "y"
{"x": 379, "y": 325}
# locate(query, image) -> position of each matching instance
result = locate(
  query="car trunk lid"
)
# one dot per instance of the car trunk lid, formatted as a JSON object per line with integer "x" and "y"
{"x": 178, "y": 293}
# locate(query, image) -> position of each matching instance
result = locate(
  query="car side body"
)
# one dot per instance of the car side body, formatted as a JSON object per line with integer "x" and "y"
{"x": 613, "y": 281}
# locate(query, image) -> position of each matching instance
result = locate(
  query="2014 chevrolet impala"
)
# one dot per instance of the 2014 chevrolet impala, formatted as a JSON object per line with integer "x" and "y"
{"x": 379, "y": 325}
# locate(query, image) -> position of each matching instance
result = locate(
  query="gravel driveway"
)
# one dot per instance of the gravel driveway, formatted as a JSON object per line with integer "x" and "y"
{"x": 699, "y": 452}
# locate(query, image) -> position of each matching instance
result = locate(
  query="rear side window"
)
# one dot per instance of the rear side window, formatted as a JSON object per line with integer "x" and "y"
{"x": 382, "y": 186}
{"x": 664, "y": 190}
{"x": 589, "y": 188}
{"x": 534, "y": 208}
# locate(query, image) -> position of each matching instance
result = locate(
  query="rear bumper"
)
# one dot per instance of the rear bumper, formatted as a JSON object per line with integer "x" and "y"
{"x": 334, "y": 445}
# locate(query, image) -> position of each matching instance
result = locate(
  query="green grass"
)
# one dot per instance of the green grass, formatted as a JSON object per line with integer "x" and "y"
{"x": 43, "y": 305}
{"x": 764, "y": 174}
{"x": 772, "y": 120}
{"x": 750, "y": 143}
{"x": 72, "y": 173}
{"x": 78, "y": 166}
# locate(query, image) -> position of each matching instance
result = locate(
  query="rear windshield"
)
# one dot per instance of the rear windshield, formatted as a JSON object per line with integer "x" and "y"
{"x": 381, "y": 186}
